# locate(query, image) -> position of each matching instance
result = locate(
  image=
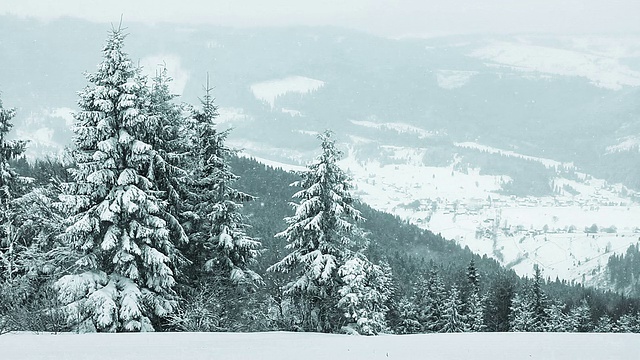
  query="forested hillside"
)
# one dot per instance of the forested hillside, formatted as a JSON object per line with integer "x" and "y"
{"x": 151, "y": 222}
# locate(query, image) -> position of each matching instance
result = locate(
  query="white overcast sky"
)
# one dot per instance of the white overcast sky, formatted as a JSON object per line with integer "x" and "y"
{"x": 383, "y": 17}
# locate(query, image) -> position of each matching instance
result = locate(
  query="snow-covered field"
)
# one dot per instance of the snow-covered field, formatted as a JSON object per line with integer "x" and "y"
{"x": 395, "y": 126}
{"x": 492, "y": 150}
{"x": 268, "y": 91}
{"x": 310, "y": 346}
{"x": 603, "y": 71}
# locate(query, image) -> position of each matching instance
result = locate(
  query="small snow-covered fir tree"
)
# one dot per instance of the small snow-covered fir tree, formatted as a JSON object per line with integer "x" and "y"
{"x": 322, "y": 236}
{"x": 521, "y": 316}
{"x": 580, "y": 318}
{"x": 218, "y": 228}
{"x": 604, "y": 325}
{"x": 430, "y": 299}
{"x": 475, "y": 313}
{"x": 408, "y": 318}
{"x": 125, "y": 263}
{"x": 628, "y": 323}
{"x": 9, "y": 186}
{"x": 364, "y": 294}
{"x": 454, "y": 319}
{"x": 556, "y": 320}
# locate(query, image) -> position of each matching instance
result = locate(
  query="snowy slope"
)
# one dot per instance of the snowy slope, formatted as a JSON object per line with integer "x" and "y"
{"x": 453, "y": 79}
{"x": 603, "y": 70}
{"x": 492, "y": 150}
{"x": 628, "y": 143}
{"x": 395, "y": 126}
{"x": 268, "y": 91}
{"x": 310, "y": 346}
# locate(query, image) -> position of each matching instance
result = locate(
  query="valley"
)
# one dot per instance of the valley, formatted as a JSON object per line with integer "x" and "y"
{"x": 569, "y": 234}
{"x": 522, "y": 147}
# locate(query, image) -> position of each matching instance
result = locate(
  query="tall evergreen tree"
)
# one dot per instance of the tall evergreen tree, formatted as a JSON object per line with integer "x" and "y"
{"x": 430, "y": 299}
{"x": 364, "y": 294}
{"x": 475, "y": 304}
{"x": 166, "y": 132}
{"x": 538, "y": 301}
{"x": 473, "y": 278}
{"x": 9, "y": 187}
{"x": 321, "y": 236}
{"x": 521, "y": 318}
{"x": 580, "y": 318}
{"x": 125, "y": 264}
{"x": 556, "y": 320}
{"x": 454, "y": 320}
{"x": 408, "y": 318}
{"x": 475, "y": 313}
{"x": 498, "y": 309}
{"x": 218, "y": 228}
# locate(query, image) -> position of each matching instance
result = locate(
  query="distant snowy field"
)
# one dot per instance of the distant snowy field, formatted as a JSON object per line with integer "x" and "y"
{"x": 603, "y": 70}
{"x": 268, "y": 91}
{"x": 309, "y": 346}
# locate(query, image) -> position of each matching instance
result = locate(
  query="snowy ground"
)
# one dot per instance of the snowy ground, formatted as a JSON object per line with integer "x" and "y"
{"x": 309, "y": 346}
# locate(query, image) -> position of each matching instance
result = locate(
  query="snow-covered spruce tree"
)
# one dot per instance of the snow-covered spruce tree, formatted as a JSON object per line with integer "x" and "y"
{"x": 475, "y": 304}
{"x": 364, "y": 293}
{"x": 124, "y": 272}
{"x": 29, "y": 300}
{"x": 322, "y": 236}
{"x": 474, "y": 316}
{"x": 430, "y": 299}
{"x": 556, "y": 320}
{"x": 604, "y": 325}
{"x": 521, "y": 316}
{"x": 10, "y": 183}
{"x": 408, "y": 318}
{"x": 473, "y": 278}
{"x": 218, "y": 230}
{"x": 580, "y": 318}
{"x": 628, "y": 323}
{"x": 166, "y": 132}
{"x": 454, "y": 319}
{"x": 538, "y": 301}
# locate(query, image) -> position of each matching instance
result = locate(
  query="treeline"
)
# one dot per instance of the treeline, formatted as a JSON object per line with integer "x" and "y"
{"x": 624, "y": 271}
{"x": 144, "y": 226}
{"x": 526, "y": 177}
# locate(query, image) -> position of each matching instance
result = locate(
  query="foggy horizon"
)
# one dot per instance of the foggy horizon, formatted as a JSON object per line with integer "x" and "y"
{"x": 401, "y": 18}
